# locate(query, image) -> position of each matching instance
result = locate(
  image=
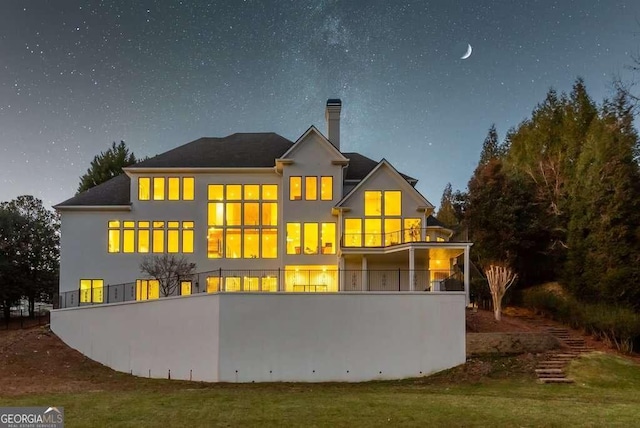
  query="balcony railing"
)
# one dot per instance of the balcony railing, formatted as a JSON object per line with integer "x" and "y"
{"x": 358, "y": 240}
{"x": 269, "y": 281}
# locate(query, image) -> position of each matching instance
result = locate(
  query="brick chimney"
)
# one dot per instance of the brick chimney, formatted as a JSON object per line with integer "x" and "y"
{"x": 332, "y": 115}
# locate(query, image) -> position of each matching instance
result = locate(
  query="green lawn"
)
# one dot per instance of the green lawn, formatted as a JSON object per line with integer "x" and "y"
{"x": 607, "y": 393}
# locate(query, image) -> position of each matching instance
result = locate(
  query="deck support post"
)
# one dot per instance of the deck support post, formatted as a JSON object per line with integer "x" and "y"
{"x": 412, "y": 266}
{"x": 467, "y": 269}
{"x": 365, "y": 274}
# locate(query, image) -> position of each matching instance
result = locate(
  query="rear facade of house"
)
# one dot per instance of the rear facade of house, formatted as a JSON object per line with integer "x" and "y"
{"x": 256, "y": 212}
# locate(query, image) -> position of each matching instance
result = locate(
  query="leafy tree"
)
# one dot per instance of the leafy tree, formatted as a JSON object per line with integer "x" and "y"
{"x": 11, "y": 250}
{"x": 106, "y": 165}
{"x": 169, "y": 270}
{"x": 37, "y": 267}
{"x": 447, "y": 213}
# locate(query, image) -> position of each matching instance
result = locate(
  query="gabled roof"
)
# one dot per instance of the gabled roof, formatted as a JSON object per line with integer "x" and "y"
{"x": 434, "y": 222}
{"x": 114, "y": 192}
{"x": 303, "y": 138}
{"x": 360, "y": 166}
{"x": 382, "y": 164}
{"x": 240, "y": 150}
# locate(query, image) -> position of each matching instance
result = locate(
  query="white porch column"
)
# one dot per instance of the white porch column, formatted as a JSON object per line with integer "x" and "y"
{"x": 342, "y": 274}
{"x": 467, "y": 269}
{"x": 412, "y": 266}
{"x": 365, "y": 274}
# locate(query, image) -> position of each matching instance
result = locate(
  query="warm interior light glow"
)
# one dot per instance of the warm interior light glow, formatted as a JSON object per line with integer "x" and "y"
{"x": 185, "y": 288}
{"x": 215, "y": 243}
{"x": 147, "y": 289}
{"x": 293, "y": 238}
{"x": 231, "y": 284}
{"x": 311, "y": 278}
{"x": 311, "y": 188}
{"x": 215, "y": 192}
{"x": 234, "y": 192}
{"x": 144, "y": 188}
{"x": 114, "y": 237}
{"x": 372, "y": 232}
{"x": 233, "y": 240}
{"x": 251, "y": 243}
{"x": 91, "y": 290}
{"x": 353, "y": 232}
{"x": 213, "y": 284}
{"x": 326, "y": 188}
{"x": 251, "y": 214}
{"x": 328, "y": 238}
{"x": 412, "y": 229}
{"x": 158, "y": 188}
{"x": 174, "y": 188}
{"x": 188, "y": 188}
{"x": 269, "y": 192}
{"x": 269, "y": 214}
{"x": 270, "y": 243}
{"x": 158, "y": 237}
{"x": 295, "y": 188}
{"x": 234, "y": 214}
{"x": 392, "y": 231}
{"x": 311, "y": 238}
{"x": 393, "y": 202}
{"x": 251, "y": 192}
{"x": 372, "y": 203}
{"x": 187, "y": 236}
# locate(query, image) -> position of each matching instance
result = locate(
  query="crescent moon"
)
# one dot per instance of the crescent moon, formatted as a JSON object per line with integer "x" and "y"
{"x": 468, "y": 54}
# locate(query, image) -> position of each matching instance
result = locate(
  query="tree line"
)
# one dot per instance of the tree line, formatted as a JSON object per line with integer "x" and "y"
{"x": 559, "y": 198}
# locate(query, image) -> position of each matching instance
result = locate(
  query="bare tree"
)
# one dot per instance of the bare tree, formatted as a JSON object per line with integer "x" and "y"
{"x": 169, "y": 270}
{"x": 500, "y": 278}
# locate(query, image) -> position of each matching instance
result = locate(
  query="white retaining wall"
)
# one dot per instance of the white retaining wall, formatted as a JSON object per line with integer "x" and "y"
{"x": 245, "y": 337}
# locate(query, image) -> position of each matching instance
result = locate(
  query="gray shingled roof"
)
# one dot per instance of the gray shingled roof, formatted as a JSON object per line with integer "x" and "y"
{"x": 241, "y": 150}
{"x": 432, "y": 221}
{"x": 113, "y": 192}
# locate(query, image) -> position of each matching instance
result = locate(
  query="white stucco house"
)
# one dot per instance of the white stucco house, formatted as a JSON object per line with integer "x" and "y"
{"x": 301, "y": 250}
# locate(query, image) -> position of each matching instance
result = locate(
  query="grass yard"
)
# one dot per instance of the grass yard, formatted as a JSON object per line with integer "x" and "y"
{"x": 504, "y": 393}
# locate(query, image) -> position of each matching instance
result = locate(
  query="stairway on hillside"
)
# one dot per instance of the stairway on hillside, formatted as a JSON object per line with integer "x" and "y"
{"x": 553, "y": 369}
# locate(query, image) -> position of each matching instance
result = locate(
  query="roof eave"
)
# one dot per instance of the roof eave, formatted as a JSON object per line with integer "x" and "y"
{"x": 92, "y": 207}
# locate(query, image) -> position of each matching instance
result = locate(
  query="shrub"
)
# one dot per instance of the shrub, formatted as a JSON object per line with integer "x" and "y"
{"x": 618, "y": 326}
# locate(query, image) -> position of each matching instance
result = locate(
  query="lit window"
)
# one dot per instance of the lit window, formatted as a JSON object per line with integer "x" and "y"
{"x": 269, "y": 214}
{"x": 269, "y": 192}
{"x": 270, "y": 243}
{"x": 188, "y": 188}
{"x": 232, "y": 283}
{"x": 234, "y": 214}
{"x": 328, "y": 238}
{"x": 173, "y": 237}
{"x": 234, "y": 192}
{"x": 251, "y": 283}
{"x": 158, "y": 188}
{"x": 144, "y": 188}
{"x": 412, "y": 230}
{"x": 326, "y": 188}
{"x": 372, "y": 203}
{"x": 311, "y": 188}
{"x": 215, "y": 243}
{"x": 251, "y": 214}
{"x": 233, "y": 243}
{"x": 158, "y": 237}
{"x": 295, "y": 188}
{"x": 91, "y": 290}
{"x": 251, "y": 243}
{"x": 216, "y": 214}
{"x": 392, "y": 202}
{"x": 311, "y": 238}
{"x": 114, "y": 236}
{"x": 353, "y": 232}
{"x": 439, "y": 239}
{"x": 128, "y": 237}
{"x": 185, "y": 288}
{"x": 251, "y": 192}
{"x": 372, "y": 232}
{"x": 147, "y": 289}
{"x": 293, "y": 238}
{"x": 213, "y": 284}
{"x": 143, "y": 236}
{"x": 187, "y": 236}
{"x": 269, "y": 283}
{"x": 392, "y": 231}
{"x": 174, "y": 188}
{"x": 216, "y": 192}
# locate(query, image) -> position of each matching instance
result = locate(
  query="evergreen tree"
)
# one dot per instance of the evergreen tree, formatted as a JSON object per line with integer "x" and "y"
{"x": 107, "y": 165}
{"x": 490, "y": 146}
{"x": 11, "y": 248}
{"x": 446, "y": 213}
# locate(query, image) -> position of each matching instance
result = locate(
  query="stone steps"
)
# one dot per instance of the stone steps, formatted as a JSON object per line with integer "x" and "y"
{"x": 556, "y": 380}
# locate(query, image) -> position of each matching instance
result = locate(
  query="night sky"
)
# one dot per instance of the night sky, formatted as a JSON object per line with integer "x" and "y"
{"x": 75, "y": 76}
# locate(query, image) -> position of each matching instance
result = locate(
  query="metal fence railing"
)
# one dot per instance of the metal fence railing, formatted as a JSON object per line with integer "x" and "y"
{"x": 266, "y": 281}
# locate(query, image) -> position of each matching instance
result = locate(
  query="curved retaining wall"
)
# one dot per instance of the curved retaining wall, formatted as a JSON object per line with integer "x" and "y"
{"x": 262, "y": 337}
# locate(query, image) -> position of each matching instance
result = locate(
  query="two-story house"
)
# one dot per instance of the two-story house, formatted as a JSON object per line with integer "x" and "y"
{"x": 258, "y": 213}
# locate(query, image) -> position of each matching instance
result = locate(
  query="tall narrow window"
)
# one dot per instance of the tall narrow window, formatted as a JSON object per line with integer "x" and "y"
{"x": 269, "y": 214}
{"x": 187, "y": 237}
{"x": 216, "y": 214}
{"x": 128, "y": 237}
{"x": 311, "y": 238}
{"x": 412, "y": 230}
{"x": 251, "y": 214}
{"x": 144, "y": 188}
{"x": 392, "y": 202}
{"x": 234, "y": 214}
{"x": 143, "y": 237}
{"x": 114, "y": 236}
{"x": 372, "y": 232}
{"x": 188, "y": 188}
{"x": 174, "y": 188}
{"x": 326, "y": 188}
{"x": 158, "y": 188}
{"x": 215, "y": 242}
{"x": 251, "y": 243}
{"x": 185, "y": 288}
{"x": 353, "y": 232}
{"x": 173, "y": 236}
{"x": 392, "y": 231}
{"x": 233, "y": 241}
{"x": 270, "y": 243}
{"x": 147, "y": 289}
{"x": 295, "y": 188}
{"x": 328, "y": 238}
{"x": 293, "y": 238}
{"x": 372, "y": 203}
{"x": 311, "y": 188}
{"x": 158, "y": 237}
